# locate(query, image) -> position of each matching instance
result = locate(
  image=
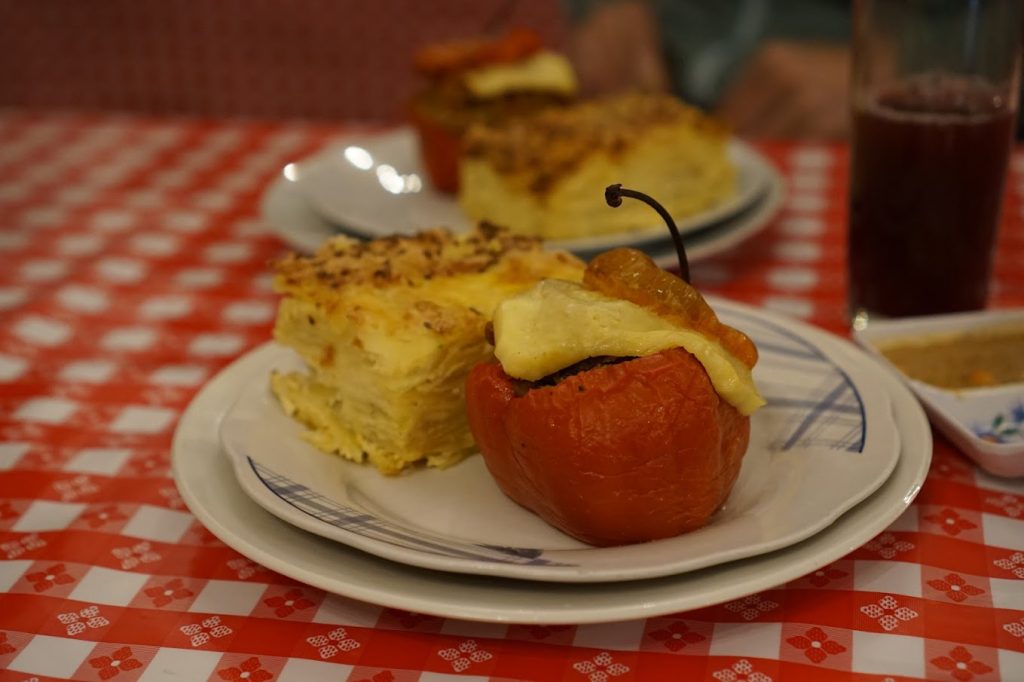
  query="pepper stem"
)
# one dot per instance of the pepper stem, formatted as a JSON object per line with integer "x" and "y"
{"x": 613, "y": 196}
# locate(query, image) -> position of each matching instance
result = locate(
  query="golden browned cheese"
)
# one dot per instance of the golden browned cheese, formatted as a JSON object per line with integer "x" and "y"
{"x": 545, "y": 174}
{"x": 389, "y": 329}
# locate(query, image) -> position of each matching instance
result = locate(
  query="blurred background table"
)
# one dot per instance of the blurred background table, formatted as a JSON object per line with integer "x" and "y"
{"x": 135, "y": 267}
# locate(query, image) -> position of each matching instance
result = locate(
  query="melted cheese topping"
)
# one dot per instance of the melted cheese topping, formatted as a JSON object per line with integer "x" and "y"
{"x": 556, "y": 324}
{"x": 542, "y": 72}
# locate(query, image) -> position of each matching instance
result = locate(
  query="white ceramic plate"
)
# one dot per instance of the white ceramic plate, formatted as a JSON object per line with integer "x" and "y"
{"x": 289, "y": 215}
{"x": 986, "y": 423}
{"x": 824, "y": 442}
{"x": 374, "y": 185}
{"x": 206, "y": 479}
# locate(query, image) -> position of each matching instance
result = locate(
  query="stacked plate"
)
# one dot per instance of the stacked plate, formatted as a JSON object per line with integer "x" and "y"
{"x": 374, "y": 185}
{"x": 838, "y": 453}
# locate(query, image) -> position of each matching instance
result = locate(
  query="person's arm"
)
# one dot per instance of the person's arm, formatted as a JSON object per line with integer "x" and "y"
{"x": 794, "y": 87}
{"x": 615, "y": 46}
{"x": 791, "y": 89}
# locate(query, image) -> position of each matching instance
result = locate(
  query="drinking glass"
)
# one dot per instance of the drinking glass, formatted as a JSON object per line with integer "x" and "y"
{"x": 935, "y": 96}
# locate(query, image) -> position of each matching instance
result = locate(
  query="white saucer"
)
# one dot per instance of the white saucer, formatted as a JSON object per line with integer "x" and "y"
{"x": 375, "y": 185}
{"x": 205, "y": 477}
{"x": 825, "y": 441}
{"x": 291, "y": 218}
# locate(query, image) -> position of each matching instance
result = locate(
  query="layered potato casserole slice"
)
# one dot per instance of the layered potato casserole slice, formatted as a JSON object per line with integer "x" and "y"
{"x": 389, "y": 330}
{"x": 537, "y": 174}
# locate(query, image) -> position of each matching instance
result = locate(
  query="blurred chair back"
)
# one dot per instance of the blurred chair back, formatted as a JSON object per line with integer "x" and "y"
{"x": 322, "y": 59}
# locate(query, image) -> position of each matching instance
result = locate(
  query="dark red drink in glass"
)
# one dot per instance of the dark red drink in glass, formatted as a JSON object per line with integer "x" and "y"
{"x": 934, "y": 95}
{"x": 927, "y": 176}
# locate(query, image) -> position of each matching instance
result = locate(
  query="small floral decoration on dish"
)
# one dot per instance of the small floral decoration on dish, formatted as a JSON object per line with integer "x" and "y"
{"x": 1006, "y": 427}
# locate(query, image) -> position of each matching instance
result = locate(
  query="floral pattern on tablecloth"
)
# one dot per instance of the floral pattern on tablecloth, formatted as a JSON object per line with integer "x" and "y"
{"x": 134, "y": 268}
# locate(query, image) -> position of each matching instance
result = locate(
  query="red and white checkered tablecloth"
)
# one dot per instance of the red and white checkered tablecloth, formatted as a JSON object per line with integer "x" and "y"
{"x": 134, "y": 267}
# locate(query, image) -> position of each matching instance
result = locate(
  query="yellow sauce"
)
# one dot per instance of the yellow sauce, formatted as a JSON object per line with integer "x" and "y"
{"x": 988, "y": 357}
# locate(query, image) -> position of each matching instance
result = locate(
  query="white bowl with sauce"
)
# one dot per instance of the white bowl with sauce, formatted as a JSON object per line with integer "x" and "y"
{"x": 967, "y": 369}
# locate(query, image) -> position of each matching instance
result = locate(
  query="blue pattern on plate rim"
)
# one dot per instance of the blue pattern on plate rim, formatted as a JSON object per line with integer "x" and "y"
{"x": 359, "y": 522}
{"x": 1005, "y": 427}
{"x": 824, "y": 410}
